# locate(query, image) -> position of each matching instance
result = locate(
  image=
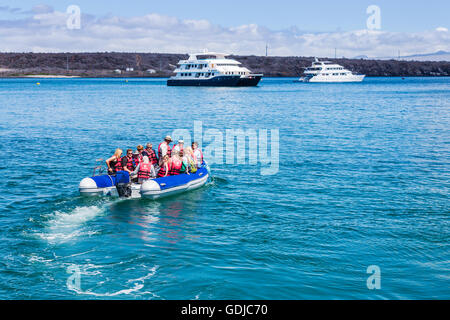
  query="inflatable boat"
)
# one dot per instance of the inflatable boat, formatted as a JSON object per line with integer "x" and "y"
{"x": 119, "y": 185}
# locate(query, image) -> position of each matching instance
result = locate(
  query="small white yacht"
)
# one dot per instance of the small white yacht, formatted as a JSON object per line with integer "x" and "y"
{"x": 326, "y": 71}
{"x": 212, "y": 69}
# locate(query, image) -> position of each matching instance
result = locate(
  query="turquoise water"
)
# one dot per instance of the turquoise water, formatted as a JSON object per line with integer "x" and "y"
{"x": 363, "y": 180}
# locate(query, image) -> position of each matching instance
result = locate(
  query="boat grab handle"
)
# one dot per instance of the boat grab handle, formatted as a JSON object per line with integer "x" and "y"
{"x": 110, "y": 178}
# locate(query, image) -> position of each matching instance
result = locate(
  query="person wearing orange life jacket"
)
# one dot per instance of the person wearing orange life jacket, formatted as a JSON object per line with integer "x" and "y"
{"x": 164, "y": 149}
{"x": 144, "y": 170}
{"x": 179, "y": 146}
{"x": 197, "y": 153}
{"x": 115, "y": 162}
{"x": 176, "y": 164}
{"x": 165, "y": 167}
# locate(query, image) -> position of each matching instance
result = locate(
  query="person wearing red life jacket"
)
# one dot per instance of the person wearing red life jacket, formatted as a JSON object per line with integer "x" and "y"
{"x": 127, "y": 161}
{"x": 115, "y": 162}
{"x": 164, "y": 149}
{"x": 178, "y": 147}
{"x": 137, "y": 158}
{"x": 165, "y": 167}
{"x": 176, "y": 164}
{"x": 140, "y": 149}
{"x": 151, "y": 154}
{"x": 145, "y": 170}
{"x": 197, "y": 153}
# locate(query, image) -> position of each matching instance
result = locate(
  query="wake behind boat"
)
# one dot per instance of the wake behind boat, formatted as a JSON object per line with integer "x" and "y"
{"x": 212, "y": 69}
{"x": 326, "y": 71}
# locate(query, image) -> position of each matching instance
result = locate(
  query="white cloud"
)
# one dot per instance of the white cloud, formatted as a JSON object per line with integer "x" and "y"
{"x": 198, "y": 25}
{"x": 42, "y": 8}
{"x": 44, "y": 29}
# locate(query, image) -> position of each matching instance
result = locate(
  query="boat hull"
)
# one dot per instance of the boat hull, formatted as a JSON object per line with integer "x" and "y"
{"x": 329, "y": 79}
{"x": 249, "y": 81}
{"x": 219, "y": 81}
{"x": 172, "y": 185}
{"x": 152, "y": 189}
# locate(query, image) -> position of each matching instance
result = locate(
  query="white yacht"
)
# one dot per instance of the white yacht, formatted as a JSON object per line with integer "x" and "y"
{"x": 326, "y": 71}
{"x": 212, "y": 69}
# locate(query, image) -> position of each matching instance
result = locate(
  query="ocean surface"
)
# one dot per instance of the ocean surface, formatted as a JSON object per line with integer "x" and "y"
{"x": 363, "y": 180}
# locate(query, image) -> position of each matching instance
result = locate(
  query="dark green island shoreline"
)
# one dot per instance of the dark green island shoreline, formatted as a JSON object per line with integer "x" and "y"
{"x": 161, "y": 65}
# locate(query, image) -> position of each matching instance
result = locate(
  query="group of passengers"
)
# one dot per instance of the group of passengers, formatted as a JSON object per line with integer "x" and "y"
{"x": 144, "y": 164}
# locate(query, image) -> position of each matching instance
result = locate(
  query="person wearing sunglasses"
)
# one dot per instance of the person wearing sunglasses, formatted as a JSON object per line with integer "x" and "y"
{"x": 127, "y": 161}
{"x": 151, "y": 154}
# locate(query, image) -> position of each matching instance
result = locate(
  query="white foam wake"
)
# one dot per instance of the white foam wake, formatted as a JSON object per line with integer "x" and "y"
{"x": 65, "y": 226}
{"x": 75, "y": 217}
{"x": 147, "y": 276}
{"x": 138, "y": 285}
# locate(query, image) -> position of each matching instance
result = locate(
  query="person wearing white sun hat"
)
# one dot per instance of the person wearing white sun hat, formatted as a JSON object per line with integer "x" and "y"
{"x": 164, "y": 149}
{"x": 179, "y": 146}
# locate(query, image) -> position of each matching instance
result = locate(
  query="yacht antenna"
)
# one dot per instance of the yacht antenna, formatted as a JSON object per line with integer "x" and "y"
{"x": 266, "y": 49}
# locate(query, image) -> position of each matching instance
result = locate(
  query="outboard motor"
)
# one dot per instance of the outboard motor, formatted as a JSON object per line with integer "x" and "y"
{"x": 123, "y": 184}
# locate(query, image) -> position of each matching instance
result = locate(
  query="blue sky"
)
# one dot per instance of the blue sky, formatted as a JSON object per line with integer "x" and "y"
{"x": 324, "y": 15}
{"x": 242, "y": 27}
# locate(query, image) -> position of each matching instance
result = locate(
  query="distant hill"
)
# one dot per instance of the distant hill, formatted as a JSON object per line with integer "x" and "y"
{"x": 437, "y": 56}
{"x": 115, "y": 64}
{"x": 361, "y": 57}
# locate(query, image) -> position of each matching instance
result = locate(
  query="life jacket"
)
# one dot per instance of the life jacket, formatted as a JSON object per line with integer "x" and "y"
{"x": 152, "y": 156}
{"x": 137, "y": 160}
{"x": 130, "y": 164}
{"x": 162, "y": 170}
{"x": 118, "y": 164}
{"x": 144, "y": 170}
{"x": 169, "y": 151}
{"x": 175, "y": 167}
{"x": 201, "y": 156}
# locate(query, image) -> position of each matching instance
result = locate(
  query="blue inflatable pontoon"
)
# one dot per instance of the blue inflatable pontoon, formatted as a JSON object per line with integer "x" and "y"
{"x": 152, "y": 188}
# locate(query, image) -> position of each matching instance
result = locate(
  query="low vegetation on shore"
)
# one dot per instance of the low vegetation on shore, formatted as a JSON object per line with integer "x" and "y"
{"x": 116, "y": 64}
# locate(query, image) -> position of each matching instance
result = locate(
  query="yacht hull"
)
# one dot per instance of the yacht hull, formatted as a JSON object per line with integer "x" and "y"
{"x": 249, "y": 81}
{"x": 219, "y": 81}
{"x": 322, "y": 79}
